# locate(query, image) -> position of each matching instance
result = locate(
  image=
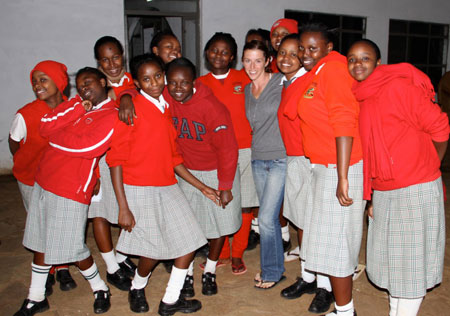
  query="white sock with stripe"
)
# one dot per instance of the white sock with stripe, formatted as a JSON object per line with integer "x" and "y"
{"x": 120, "y": 257}
{"x": 174, "y": 285}
{"x": 93, "y": 277}
{"x": 139, "y": 282}
{"x": 191, "y": 269}
{"x": 408, "y": 307}
{"x": 111, "y": 262}
{"x": 285, "y": 233}
{"x": 39, "y": 276}
{"x": 255, "y": 226}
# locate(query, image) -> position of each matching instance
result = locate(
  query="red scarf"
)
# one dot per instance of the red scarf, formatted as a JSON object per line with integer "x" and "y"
{"x": 377, "y": 159}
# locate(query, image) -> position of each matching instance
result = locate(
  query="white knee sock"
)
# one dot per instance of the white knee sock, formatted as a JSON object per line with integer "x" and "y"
{"x": 307, "y": 276}
{"x": 39, "y": 276}
{"x": 120, "y": 257}
{"x": 191, "y": 269}
{"x": 255, "y": 226}
{"x": 393, "y": 305}
{"x": 408, "y": 307}
{"x": 346, "y": 310}
{"x": 285, "y": 233}
{"x": 323, "y": 282}
{"x": 95, "y": 281}
{"x": 210, "y": 266}
{"x": 174, "y": 285}
{"x": 111, "y": 262}
{"x": 139, "y": 282}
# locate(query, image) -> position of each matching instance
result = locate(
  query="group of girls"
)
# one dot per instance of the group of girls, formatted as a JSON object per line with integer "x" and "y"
{"x": 228, "y": 142}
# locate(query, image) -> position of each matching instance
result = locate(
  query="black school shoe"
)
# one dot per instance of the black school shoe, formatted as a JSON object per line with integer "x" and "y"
{"x": 286, "y": 245}
{"x": 37, "y": 307}
{"x": 188, "y": 287}
{"x": 102, "y": 301}
{"x": 66, "y": 283}
{"x": 182, "y": 305}
{"x": 128, "y": 267}
{"x": 253, "y": 240}
{"x": 209, "y": 285}
{"x": 137, "y": 300}
{"x": 119, "y": 279}
{"x": 49, "y": 284}
{"x": 335, "y": 313}
{"x": 321, "y": 302}
{"x": 299, "y": 288}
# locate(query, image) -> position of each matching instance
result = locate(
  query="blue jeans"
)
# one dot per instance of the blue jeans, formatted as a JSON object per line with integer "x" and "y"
{"x": 270, "y": 176}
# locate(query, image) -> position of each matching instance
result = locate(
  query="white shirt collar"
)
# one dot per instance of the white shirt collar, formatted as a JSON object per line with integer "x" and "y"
{"x": 298, "y": 74}
{"x": 219, "y": 77}
{"x": 99, "y": 106}
{"x": 120, "y": 83}
{"x": 160, "y": 104}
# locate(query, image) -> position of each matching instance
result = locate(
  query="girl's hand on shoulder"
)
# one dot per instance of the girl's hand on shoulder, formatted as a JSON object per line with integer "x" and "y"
{"x": 211, "y": 194}
{"x": 126, "y": 219}
{"x": 126, "y": 110}
{"x": 225, "y": 197}
{"x": 342, "y": 193}
{"x": 87, "y": 105}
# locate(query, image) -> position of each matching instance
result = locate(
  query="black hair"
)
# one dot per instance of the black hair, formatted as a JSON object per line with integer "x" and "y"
{"x": 159, "y": 37}
{"x": 371, "y": 44}
{"x": 293, "y": 36}
{"x": 137, "y": 61}
{"x": 91, "y": 70}
{"x": 327, "y": 34}
{"x": 182, "y": 63}
{"x": 253, "y": 32}
{"x": 227, "y": 38}
{"x": 106, "y": 39}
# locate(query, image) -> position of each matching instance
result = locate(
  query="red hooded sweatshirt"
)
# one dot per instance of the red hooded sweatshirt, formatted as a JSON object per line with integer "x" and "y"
{"x": 205, "y": 134}
{"x": 398, "y": 122}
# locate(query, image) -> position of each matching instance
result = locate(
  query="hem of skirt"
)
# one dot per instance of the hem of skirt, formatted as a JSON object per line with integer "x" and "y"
{"x": 159, "y": 257}
{"x": 108, "y": 219}
{"x": 339, "y": 274}
{"x": 403, "y": 295}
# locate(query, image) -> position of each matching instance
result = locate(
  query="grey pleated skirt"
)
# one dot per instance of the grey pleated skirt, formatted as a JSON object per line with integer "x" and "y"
{"x": 406, "y": 239}
{"x": 56, "y": 227}
{"x": 25, "y": 192}
{"x": 297, "y": 190}
{"x": 166, "y": 227}
{"x": 214, "y": 220}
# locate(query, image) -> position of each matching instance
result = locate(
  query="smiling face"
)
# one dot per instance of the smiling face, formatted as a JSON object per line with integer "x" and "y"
{"x": 313, "y": 47}
{"x": 254, "y": 63}
{"x": 110, "y": 59}
{"x": 91, "y": 87}
{"x": 150, "y": 78}
{"x": 288, "y": 58}
{"x": 168, "y": 49}
{"x": 219, "y": 56}
{"x": 43, "y": 86}
{"x": 362, "y": 61}
{"x": 180, "y": 84}
{"x": 277, "y": 35}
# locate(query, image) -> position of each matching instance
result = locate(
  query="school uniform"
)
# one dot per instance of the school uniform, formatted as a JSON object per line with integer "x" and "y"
{"x": 65, "y": 179}
{"x": 166, "y": 227}
{"x": 207, "y": 142}
{"x": 25, "y": 129}
{"x": 327, "y": 109}
{"x": 406, "y": 236}
{"x": 297, "y": 189}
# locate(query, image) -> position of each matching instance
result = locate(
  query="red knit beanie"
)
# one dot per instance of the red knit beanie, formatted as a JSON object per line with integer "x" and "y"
{"x": 289, "y": 24}
{"x": 56, "y": 71}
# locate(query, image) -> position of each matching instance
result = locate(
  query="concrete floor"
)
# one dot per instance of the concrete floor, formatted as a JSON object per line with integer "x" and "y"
{"x": 237, "y": 296}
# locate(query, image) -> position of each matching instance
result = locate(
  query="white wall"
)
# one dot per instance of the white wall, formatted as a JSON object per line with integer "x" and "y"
{"x": 35, "y": 30}
{"x": 237, "y": 16}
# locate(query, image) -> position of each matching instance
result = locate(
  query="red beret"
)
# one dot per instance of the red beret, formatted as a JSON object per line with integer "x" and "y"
{"x": 289, "y": 24}
{"x": 56, "y": 71}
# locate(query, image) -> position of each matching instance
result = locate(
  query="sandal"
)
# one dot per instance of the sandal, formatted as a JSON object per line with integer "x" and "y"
{"x": 265, "y": 285}
{"x": 238, "y": 269}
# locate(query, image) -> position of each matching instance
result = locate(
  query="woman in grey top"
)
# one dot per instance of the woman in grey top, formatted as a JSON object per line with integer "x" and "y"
{"x": 262, "y": 98}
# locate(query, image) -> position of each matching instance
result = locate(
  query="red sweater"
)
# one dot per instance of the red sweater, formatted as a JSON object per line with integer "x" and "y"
{"x": 290, "y": 129}
{"x": 126, "y": 83}
{"x": 31, "y": 149}
{"x": 398, "y": 124}
{"x": 205, "y": 135}
{"x": 230, "y": 92}
{"x": 328, "y": 110}
{"x": 76, "y": 138}
{"x": 146, "y": 151}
